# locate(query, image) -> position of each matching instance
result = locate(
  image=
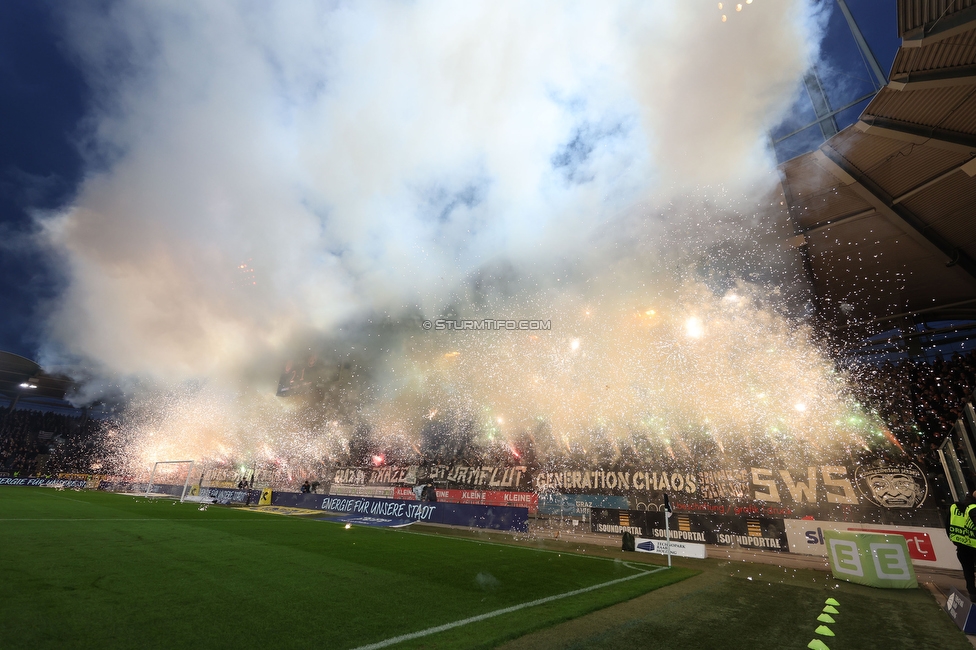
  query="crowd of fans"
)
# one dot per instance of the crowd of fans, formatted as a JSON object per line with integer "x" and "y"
{"x": 35, "y": 442}
{"x": 920, "y": 402}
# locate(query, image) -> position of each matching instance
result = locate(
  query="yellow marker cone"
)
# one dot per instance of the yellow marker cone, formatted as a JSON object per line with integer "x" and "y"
{"x": 823, "y": 630}
{"x": 826, "y": 618}
{"x": 830, "y": 610}
{"x": 817, "y": 644}
{"x": 831, "y": 601}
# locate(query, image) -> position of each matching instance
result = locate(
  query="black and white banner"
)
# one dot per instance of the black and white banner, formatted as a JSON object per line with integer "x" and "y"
{"x": 749, "y": 532}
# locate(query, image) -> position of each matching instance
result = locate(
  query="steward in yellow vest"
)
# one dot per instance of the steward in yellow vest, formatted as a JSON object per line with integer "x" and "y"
{"x": 962, "y": 532}
{"x": 962, "y": 527}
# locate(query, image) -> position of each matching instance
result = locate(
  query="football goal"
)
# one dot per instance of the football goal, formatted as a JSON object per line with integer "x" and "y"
{"x": 165, "y": 472}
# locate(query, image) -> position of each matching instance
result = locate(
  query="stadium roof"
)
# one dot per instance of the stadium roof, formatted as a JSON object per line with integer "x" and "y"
{"x": 884, "y": 210}
{"x": 22, "y": 377}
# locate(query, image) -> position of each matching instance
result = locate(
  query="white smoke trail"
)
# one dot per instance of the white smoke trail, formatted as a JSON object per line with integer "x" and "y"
{"x": 260, "y": 175}
{"x": 373, "y": 156}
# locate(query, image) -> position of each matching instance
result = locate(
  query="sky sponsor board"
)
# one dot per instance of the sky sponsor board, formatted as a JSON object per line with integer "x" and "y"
{"x": 665, "y": 547}
{"x": 721, "y": 530}
{"x": 926, "y": 546}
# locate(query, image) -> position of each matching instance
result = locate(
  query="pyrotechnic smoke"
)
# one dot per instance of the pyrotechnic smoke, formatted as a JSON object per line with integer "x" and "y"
{"x": 266, "y": 179}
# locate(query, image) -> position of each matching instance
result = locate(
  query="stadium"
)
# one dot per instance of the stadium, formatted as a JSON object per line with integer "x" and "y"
{"x": 731, "y": 406}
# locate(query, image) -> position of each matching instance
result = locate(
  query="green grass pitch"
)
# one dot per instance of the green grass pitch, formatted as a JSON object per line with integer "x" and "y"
{"x": 97, "y": 570}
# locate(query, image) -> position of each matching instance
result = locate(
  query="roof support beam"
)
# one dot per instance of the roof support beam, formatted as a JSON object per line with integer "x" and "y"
{"x": 839, "y": 220}
{"x": 862, "y": 44}
{"x": 961, "y": 75}
{"x": 821, "y": 106}
{"x": 940, "y": 29}
{"x": 969, "y": 167}
{"x": 901, "y": 217}
{"x": 830, "y": 114}
{"x": 917, "y": 134}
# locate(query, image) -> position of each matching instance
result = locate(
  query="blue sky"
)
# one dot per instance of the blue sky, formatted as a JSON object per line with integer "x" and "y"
{"x": 44, "y": 99}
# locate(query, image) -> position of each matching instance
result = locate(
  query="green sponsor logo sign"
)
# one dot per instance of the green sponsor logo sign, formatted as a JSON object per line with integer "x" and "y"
{"x": 870, "y": 559}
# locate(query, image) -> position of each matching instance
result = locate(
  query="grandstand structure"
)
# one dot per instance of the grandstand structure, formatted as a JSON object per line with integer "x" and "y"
{"x": 881, "y": 212}
{"x": 23, "y": 380}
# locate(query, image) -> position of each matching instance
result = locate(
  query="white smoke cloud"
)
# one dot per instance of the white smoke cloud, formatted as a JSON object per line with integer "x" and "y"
{"x": 260, "y": 171}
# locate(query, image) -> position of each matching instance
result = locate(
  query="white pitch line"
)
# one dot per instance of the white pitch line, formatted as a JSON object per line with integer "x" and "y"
{"x": 498, "y": 612}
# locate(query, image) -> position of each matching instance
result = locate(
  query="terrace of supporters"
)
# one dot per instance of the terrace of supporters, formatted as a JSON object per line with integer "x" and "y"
{"x": 918, "y": 400}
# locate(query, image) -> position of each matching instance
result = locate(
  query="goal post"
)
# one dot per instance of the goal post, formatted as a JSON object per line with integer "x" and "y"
{"x": 186, "y": 481}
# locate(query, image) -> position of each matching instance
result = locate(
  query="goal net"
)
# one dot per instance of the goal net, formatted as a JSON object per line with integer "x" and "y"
{"x": 171, "y": 478}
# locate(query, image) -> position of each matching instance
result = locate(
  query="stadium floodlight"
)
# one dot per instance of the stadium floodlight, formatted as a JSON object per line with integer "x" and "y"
{"x": 186, "y": 482}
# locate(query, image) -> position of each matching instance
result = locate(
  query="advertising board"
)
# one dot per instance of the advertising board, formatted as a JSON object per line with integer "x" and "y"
{"x": 579, "y": 505}
{"x": 528, "y": 500}
{"x": 870, "y": 559}
{"x": 43, "y": 482}
{"x": 749, "y": 532}
{"x": 926, "y": 546}
{"x": 456, "y": 514}
{"x": 663, "y": 547}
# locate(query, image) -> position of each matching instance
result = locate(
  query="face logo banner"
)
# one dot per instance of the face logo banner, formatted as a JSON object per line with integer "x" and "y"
{"x": 892, "y": 486}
